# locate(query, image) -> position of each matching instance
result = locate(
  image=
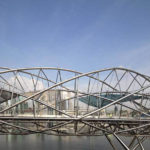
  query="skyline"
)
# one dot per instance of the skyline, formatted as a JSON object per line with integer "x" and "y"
{"x": 82, "y": 35}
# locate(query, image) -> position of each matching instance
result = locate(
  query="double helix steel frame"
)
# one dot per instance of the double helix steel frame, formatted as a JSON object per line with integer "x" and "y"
{"x": 127, "y": 115}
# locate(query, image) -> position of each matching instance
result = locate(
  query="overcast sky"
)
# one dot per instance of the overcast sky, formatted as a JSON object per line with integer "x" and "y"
{"x": 82, "y": 35}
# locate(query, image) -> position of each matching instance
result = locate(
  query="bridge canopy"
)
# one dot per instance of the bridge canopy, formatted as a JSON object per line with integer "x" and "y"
{"x": 104, "y": 99}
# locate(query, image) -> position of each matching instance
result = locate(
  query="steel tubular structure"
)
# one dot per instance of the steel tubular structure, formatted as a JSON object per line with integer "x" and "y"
{"x": 57, "y": 101}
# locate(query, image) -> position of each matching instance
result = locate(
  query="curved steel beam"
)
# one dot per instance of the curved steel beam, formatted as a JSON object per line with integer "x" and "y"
{"x": 22, "y": 71}
{"x": 69, "y": 70}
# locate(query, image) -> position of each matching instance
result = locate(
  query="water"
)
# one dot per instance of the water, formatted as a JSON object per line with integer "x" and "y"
{"x": 49, "y": 142}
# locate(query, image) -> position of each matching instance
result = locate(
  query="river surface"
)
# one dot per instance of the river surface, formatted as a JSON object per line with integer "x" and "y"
{"x": 49, "y": 142}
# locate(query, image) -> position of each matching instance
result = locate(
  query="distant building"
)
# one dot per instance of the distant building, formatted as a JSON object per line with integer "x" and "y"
{"x": 57, "y": 98}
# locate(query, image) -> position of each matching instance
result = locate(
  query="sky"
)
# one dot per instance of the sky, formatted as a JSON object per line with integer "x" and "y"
{"x": 82, "y": 35}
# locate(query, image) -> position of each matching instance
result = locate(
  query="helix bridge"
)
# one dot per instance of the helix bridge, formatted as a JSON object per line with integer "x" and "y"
{"x": 56, "y": 101}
